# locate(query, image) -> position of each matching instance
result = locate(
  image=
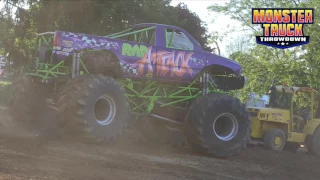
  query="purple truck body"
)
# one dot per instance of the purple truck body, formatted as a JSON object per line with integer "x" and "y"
{"x": 140, "y": 60}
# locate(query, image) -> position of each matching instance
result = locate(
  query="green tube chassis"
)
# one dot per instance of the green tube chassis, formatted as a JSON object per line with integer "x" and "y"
{"x": 142, "y": 94}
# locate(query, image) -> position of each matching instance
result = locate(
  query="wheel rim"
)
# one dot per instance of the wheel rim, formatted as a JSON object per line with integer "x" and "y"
{"x": 225, "y": 126}
{"x": 278, "y": 141}
{"x": 104, "y": 110}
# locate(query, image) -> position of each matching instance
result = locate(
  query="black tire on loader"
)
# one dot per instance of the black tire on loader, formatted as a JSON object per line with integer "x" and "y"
{"x": 313, "y": 142}
{"x": 93, "y": 105}
{"x": 274, "y": 139}
{"x": 218, "y": 125}
{"x": 161, "y": 132}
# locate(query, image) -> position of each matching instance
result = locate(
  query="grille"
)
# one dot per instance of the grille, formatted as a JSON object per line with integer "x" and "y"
{"x": 253, "y": 114}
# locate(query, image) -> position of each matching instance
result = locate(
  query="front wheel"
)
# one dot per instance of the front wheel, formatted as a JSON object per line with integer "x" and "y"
{"x": 275, "y": 139}
{"x": 218, "y": 124}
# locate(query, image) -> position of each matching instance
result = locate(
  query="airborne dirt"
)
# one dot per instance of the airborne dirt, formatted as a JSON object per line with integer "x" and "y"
{"x": 26, "y": 155}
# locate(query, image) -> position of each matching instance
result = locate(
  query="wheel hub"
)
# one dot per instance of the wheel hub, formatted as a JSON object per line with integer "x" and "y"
{"x": 278, "y": 141}
{"x": 105, "y": 110}
{"x": 225, "y": 127}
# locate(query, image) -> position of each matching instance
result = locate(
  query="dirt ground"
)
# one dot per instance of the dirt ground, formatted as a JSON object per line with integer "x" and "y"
{"x": 25, "y": 155}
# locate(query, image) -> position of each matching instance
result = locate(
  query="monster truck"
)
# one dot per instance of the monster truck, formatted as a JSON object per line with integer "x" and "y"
{"x": 156, "y": 73}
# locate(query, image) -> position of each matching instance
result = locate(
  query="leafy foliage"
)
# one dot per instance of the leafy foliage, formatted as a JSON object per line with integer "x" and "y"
{"x": 190, "y": 21}
{"x": 91, "y": 17}
{"x": 264, "y": 65}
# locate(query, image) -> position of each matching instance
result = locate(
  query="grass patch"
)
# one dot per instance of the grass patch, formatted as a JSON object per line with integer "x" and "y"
{"x": 4, "y": 83}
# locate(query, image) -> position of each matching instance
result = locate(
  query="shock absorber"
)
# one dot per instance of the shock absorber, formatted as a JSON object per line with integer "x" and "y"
{"x": 76, "y": 63}
{"x": 205, "y": 87}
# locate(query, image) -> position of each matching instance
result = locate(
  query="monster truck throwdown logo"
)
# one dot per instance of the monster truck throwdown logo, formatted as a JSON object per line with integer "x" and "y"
{"x": 282, "y": 28}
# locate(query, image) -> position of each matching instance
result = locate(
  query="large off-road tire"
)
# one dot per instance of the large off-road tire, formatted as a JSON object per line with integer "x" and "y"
{"x": 94, "y": 105}
{"x": 102, "y": 63}
{"x": 157, "y": 131}
{"x": 27, "y": 101}
{"x": 274, "y": 139}
{"x": 218, "y": 125}
{"x": 313, "y": 142}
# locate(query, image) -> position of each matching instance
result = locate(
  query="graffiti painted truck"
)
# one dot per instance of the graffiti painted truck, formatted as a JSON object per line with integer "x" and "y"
{"x": 98, "y": 83}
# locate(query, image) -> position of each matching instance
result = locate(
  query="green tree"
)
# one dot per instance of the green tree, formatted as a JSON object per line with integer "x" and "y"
{"x": 95, "y": 17}
{"x": 194, "y": 25}
{"x": 264, "y": 65}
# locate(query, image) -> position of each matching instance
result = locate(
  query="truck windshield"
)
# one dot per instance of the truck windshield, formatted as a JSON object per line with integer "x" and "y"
{"x": 280, "y": 99}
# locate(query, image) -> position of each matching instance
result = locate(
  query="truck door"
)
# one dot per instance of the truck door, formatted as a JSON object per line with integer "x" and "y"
{"x": 138, "y": 53}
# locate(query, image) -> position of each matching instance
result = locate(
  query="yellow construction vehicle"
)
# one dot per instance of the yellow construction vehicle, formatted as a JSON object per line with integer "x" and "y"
{"x": 291, "y": 119}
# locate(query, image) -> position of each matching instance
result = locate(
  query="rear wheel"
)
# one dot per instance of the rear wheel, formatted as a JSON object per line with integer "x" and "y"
{"x": 274, "y": 139}
{"x": 217, "y": 124}
{"x": 95, "y": 105}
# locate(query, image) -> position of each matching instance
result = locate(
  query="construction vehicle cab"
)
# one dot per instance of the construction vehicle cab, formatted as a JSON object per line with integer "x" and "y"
{"x": 291, "y": 119}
